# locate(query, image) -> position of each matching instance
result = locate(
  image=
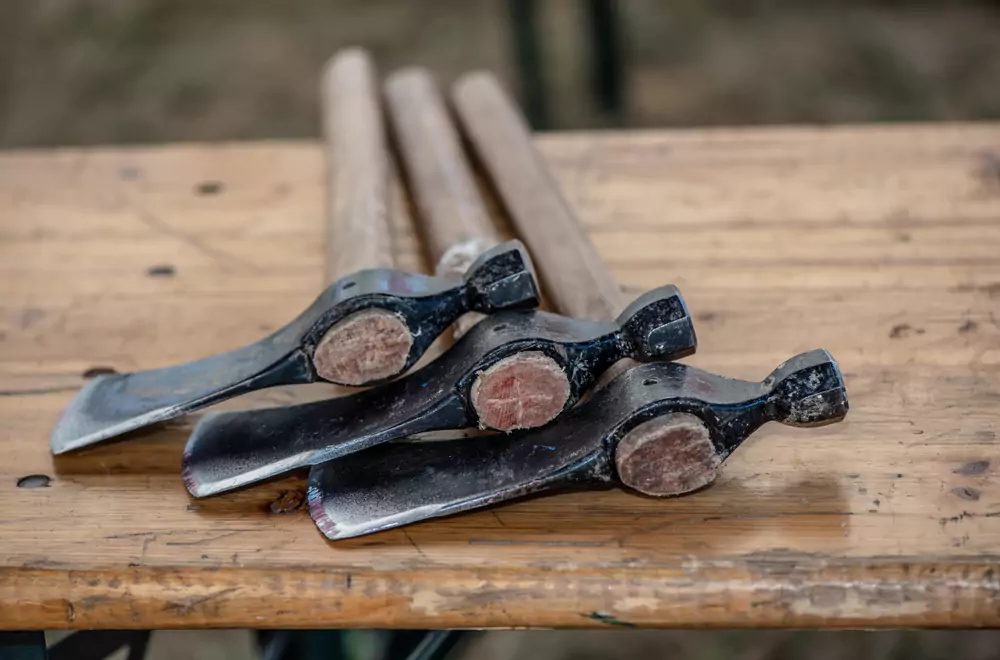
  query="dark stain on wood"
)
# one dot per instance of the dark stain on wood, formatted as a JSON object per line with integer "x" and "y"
{"x": 94, "y": 372}
{"x": 288, "y": 501}
{"x": 968, "y": 326}
{"x": 992, "y": 289}
{"x": 959, "y": 518}
{"x": 31, "y": 317}
{"x": 209, "y": 188}
{"x": 988, "y": 171}
{"x": 972, "y": 468}
{"x": 904, "y": 330}
{"x": 161, "y": 270}
{"x": 34, "y": 481}
{"x": 129, "y": 173}
{"x": 965, "y": 493}
{"x": 91, "y": 602}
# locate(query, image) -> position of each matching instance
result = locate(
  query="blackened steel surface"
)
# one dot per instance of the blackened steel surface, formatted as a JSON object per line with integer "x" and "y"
{"x": 500, "y": 279}
{"x": 232, "y": 449}
{"x": 401, "y": 483}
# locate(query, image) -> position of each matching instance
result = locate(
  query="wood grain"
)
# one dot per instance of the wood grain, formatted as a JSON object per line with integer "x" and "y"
{"x": 575, "y": 278}
{"x": 357, "y": 163}
{"x": 877, "y": 243}
{"x": 452, "y": 215}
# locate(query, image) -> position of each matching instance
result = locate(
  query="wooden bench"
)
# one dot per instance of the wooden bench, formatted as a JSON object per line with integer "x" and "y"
{"x": 881, "y": 244}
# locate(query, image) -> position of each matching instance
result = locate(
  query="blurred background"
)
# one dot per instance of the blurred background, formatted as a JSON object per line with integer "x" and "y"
{"x": 571, "y": 645}
{"x": 127, "y": 71}
{"x": 82, "y": 72}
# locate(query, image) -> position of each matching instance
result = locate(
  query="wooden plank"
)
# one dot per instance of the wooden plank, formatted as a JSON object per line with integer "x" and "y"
{"x": 782, "y": 240}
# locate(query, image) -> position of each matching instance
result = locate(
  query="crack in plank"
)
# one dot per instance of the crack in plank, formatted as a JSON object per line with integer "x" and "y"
{"x": 158, "y": 225}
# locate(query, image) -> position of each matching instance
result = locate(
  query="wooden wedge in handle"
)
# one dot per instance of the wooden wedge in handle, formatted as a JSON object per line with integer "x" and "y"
{"x": 371, "y": 344}
{"x": 574, "y": 277}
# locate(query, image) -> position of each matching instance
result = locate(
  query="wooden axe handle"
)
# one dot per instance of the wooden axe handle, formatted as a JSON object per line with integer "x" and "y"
{"x": 452, "y": 215}
{"x": 575, "y": 278}
{"x": 359, "y": 232}
{"x": 458, "y": 227}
